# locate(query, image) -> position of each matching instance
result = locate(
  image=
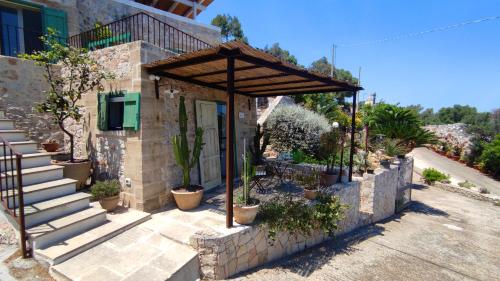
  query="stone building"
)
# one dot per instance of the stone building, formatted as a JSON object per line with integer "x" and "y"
{"x": 135, "y": 150}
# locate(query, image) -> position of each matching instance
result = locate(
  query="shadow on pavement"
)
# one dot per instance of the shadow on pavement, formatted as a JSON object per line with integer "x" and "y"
{"x": 422, "y": 208}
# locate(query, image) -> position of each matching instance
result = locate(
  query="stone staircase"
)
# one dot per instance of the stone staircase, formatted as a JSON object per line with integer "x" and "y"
{"x": 60, "y": 222}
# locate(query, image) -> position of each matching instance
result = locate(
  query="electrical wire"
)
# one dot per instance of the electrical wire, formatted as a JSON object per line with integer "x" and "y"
{"x": 414, "y": 34}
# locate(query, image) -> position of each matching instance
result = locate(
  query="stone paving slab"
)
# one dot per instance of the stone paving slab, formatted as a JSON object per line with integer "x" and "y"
{"x": 137, "y": 254}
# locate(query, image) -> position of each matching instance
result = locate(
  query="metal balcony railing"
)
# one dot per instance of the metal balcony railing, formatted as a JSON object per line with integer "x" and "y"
{"x": 140, "y": 26}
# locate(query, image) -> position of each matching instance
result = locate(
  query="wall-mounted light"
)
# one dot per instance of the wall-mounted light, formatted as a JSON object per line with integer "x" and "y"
{"x": 154, "y": 77}
{"x": 171, "y": 92}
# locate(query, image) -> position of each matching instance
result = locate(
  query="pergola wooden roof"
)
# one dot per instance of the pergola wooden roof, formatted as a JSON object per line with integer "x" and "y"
{"x": 237, "y": 68}
{"x": 257, "y": 74}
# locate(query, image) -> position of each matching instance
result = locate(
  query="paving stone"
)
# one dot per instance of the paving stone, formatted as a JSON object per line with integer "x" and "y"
{"x": 101, "y": 274}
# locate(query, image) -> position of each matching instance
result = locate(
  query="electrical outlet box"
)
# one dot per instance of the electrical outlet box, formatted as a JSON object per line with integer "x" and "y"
{"x": 128, "y": 182}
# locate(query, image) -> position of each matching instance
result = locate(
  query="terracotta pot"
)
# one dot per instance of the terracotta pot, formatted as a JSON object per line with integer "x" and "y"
{"x": 78, "y": 170}
{"x": 326, "y": 179}
{"x": 245, "y": 214}
{"x": 310, "y": 194}
{"x": 50, "y": 146}
{"x": 187, "y": 200}
{"x": 110, "y": 203}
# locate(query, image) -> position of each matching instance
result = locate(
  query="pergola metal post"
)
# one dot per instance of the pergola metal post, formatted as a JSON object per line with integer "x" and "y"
{"x": 230, "y": 142}
{"x": 353, "y": 129}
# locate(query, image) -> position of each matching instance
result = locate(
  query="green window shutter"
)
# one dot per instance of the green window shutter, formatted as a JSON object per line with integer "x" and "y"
{"x": 57, "y": 20}
{"x": 132, "y": 111}
{"x": 102, "y": 111}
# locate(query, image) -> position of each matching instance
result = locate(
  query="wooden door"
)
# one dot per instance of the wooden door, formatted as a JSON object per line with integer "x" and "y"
{"x": 206, "y": 117}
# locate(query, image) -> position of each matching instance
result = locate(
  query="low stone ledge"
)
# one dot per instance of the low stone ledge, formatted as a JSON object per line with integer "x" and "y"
{"x": 467, "y": 193}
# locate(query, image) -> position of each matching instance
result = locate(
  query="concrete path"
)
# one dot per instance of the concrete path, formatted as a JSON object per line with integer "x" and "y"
{"x": 425, "y": 158}
{"x": 443, "y": 236}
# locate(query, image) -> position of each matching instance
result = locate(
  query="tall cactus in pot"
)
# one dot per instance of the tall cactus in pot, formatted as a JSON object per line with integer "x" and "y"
{"x": 181, "y": 147}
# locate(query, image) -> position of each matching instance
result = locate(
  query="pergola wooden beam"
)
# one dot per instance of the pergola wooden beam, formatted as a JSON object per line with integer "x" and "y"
{"x": 217, "y": 72}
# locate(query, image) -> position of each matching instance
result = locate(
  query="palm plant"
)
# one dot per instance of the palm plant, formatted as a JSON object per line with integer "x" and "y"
{"x": 398, "y": 123}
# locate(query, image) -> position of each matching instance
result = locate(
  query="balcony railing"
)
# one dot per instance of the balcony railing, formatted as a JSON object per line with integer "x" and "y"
{"x": 140, "y": 26}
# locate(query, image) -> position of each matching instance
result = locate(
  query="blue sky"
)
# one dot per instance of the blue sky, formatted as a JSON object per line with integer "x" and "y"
{"x": 459, "y": 66}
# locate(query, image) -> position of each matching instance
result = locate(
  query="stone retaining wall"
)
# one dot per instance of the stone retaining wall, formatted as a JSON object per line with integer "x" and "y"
{"x": 230, "y": 251}
{"x": 22, "y": 85}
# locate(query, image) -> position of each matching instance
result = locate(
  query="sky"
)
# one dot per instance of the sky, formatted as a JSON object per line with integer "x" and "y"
{"x": 458, "y": 66}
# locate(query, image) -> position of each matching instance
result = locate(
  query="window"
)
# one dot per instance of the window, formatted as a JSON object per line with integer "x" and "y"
{"x": 22, "y": 23}
{"x": 118, "y": 111}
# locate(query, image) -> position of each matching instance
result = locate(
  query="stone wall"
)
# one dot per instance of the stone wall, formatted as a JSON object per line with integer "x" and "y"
{"x": 146, "y": 156}
{"x": 22, "y": 85}
{"x": 226, "y": 252}
{"x": 82, "y": 16}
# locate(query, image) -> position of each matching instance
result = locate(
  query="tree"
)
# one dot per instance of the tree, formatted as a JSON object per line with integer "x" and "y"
{"x": 230, "y": 28}
{"x": 280, "y": 53}
{"x": 456, "y": 114}
{"x": 322, "y": 66}
{"x": 82, "y": 75}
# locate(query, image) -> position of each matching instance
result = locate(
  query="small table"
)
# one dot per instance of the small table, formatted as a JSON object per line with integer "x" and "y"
{"x": 280, "y": 167}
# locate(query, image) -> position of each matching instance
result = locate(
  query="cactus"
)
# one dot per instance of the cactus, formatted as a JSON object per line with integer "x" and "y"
{"x": 258, "y": 149}
{"x": 181, "y": 149}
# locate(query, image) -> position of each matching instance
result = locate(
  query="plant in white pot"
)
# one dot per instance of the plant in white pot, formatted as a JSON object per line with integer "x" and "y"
{"x": 71, "y": 73}
{"x": 187, "y": 196}
{"x": 246, "y": 207}
{"x": 107, "y": 192}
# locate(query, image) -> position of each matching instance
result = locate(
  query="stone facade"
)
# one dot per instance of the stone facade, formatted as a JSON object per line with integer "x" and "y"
{"x": 22, "y": 85}
{"x": 82, "y": 16}
{"x": 146, "y": 157}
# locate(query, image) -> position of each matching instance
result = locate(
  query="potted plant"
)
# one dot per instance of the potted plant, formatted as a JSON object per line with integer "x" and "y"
{"x": 107, "y": 192}
{"x": 50, "y": 145}
{"x": 246, "y": 207}
{"x": 187, "y": 196}
{"x": 328, "y": 151}
{"x": 81, "y": 74}
{"x": 309, "y": 181}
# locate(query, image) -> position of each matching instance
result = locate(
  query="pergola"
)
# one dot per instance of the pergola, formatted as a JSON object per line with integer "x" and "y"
{"x": 237, "y": 68}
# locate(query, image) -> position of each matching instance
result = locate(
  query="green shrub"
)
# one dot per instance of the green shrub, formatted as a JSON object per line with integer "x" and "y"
{"x": 490, "y": 158}
{"x": 432, "y": 175}
{"x": 466, "y": 184}
{"x": 298, "y": 217}
{"x": 296, "y": 128}
{"x": 105, "y": 189}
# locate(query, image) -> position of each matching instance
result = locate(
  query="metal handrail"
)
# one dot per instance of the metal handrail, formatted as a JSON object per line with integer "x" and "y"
{"x": 140, "y": 26}
{"x": 9, "y": 198}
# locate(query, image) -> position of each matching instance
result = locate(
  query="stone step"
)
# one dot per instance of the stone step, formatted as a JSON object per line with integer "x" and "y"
{"x": 73, "y": 246}
{"x": 45, "y": 211}
{"x": 13, "y": 135}
{"x": 34, "y": 175}
{"x": 137, "y": 254}
{"x": 24, "y": 147}
{"x": 6, "y": 124}
{"x": 49, "y": 233}
{"x": 45, "y": 191}
{"x": 30, "y": 160}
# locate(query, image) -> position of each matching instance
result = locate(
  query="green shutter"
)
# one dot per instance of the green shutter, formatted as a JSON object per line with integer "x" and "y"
{"x": 131, "y": 111}
{"x": 56, "y": 19}
{"x": 102, "y": 111}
